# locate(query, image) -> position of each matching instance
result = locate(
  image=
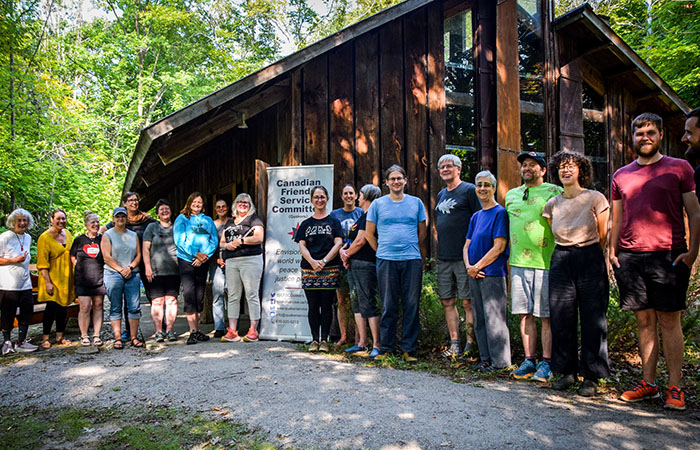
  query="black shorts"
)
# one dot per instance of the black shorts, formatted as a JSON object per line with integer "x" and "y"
{"x": 90, "y": 291}
{"x": 649, "y": 280}
{"x": 165, "y": 286}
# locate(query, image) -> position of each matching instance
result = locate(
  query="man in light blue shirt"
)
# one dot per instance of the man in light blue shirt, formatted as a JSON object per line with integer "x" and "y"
{"x": 401, "y": 224}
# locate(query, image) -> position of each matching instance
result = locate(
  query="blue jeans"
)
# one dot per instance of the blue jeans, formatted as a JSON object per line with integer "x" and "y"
{"x": 218, "y": 293}
{"x": 119, "y": 290}
{"x": 399, "y": 279}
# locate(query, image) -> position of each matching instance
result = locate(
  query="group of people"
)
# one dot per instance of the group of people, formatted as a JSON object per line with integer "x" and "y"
{"x": 553, "y": 240}
{"x": 550, "y": 238}
{"x": 116, "y": 259}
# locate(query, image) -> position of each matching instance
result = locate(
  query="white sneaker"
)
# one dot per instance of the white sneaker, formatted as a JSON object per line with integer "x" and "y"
{"x": 7, "y": 348}
{"x": 26, "y": 347}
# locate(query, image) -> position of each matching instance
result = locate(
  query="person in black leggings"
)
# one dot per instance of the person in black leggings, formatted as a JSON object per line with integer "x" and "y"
{"x": 320, "y": 238}
{"x": 15, "y": 284}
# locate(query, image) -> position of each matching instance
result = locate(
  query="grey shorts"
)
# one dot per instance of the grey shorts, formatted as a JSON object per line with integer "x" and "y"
{"x": 529, "y": 291}
{"x": 452, "y": 279}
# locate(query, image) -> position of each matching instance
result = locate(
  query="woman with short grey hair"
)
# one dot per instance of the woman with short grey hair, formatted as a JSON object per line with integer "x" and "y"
{"x": 486, "y": 257}
{"x": 360, "y": 260}
{"x": 15, "y": 283}
{"x": 241, "y": 245}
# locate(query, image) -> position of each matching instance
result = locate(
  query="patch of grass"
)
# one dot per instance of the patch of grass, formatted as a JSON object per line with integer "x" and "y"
{"x": 140, "y": 427}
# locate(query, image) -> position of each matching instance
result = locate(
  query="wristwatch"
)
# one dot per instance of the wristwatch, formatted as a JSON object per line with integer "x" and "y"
{"x": 324, "y": 260}
{"x": 476, "y": 266}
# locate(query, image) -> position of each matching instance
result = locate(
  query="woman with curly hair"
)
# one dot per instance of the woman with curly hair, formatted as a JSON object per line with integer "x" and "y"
{"x": 578, "y": 277}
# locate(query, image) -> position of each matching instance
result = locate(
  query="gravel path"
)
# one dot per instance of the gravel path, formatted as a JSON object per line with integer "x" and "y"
{"x": 312, "y": 400}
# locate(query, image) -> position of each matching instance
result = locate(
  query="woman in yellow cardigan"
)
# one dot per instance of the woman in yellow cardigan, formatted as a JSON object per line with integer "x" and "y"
{"x": 54, "y": 264}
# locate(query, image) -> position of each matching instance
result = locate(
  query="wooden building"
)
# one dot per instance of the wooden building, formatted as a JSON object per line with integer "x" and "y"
{"x": 483, "y": 79}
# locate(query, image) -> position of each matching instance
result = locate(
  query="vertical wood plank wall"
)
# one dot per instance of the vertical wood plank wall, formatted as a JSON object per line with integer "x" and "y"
{"x": 376, "y": 101}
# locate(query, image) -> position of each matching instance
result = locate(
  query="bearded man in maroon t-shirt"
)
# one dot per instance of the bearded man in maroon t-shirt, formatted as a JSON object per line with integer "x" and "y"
{"x": 649, "y": 254}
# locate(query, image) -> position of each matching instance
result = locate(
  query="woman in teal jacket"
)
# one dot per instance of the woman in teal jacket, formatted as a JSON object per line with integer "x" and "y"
{"x": 196, "y": 240}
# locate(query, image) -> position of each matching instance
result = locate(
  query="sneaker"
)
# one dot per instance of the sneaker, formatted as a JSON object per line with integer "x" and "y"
{"x": 543, "y": 373}
{"x": 251, "y": 336}
{"x": 160, "y": 337}
{"x": 7, "y": 348}
{"x": 26, "y": 347}
{"x": 313, "y": 347}
{"x": 409, "y": 358}
{"x": 588, "y": 388}
{"x": 219, "y": 333}
{"x": 192, "y": 338}
{"x": 641, "y": 391}
{"x": 526, "y": 370}
{"x": 484, "y": 366}
{"x": 355, "y": 349}
{"x": 231, "y": 336}
{"x": 172, "y": 337}
{"x": 451, "y": 352}
{"x": 323, "y": 347}
{"x": 674, "y": 399}
{"x": 201, "y": 337}
{"x": 374, "y": 353}
{"x": 564, "y": 382}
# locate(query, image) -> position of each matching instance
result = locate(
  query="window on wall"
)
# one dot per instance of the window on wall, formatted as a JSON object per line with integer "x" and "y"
{"x": 531, "y": 68}
{"x": 595, "y": 137}
{"x": 459, "y": 92}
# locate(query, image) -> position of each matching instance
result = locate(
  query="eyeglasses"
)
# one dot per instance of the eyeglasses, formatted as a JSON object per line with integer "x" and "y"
{"x": 319, "y": 197}
{"x": 526, "y": 194}
{"x": 132, "y": 200}
{"x": 483, "y": 185}
{"x": 242, "y": 203}
{"x": 569, "y": 167}
{"x": 447, "y": 167}
{"x": 392, "y": 179}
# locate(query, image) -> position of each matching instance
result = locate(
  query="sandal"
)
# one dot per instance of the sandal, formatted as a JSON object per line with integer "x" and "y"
{"x": 135, "y": 342}
{"x": 85, "y": 341}
{"x": 45, "y": 344}
{"x": 96, "y": 341}
{"x": 118, "y": 344}
{"x": 62, "y": 341}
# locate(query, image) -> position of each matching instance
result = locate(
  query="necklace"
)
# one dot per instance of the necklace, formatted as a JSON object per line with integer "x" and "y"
{"x": 21, "y": 241}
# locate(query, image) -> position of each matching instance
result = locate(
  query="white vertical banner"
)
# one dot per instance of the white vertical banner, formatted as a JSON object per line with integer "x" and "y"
{"x": 284, "y": 308}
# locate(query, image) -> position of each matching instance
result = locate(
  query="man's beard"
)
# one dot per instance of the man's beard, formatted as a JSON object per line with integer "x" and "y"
{"x": 647, "y": 153}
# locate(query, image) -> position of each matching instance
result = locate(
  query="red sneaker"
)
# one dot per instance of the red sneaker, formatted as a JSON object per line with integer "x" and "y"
{"x": 674, "y": 399}
{"x": 251, "y": 336}
{"x": 231, "y": 336}
{"x": 641, "y": 391}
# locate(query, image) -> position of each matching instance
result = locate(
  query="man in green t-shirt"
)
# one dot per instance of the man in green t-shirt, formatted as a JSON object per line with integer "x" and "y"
{"x": 531, "y": 247}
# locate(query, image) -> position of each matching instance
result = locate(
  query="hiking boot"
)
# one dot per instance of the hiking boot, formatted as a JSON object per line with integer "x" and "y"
{"x": 251, "y": 336}
{"x": 588, "y": 388}
{"x": 26, "y": 347}
{"x": 219, "y": 334}
{"x": 159, "y": 337}
{"x": 172, "y": 337}
{"x": 452, "y": 352}
{"x": 564, "y": 382}
{"x": 409, "y": 358}
{"x": 543, "y": 373}
{"x": 313, "y": 347}
{"x": 7, "y": 348}
{"x": 526, "y": 370}
{"x": 201, "y": 337}
{"x": 674, "y": 399}
{"x": 231, "y": 336}
{"x": 192, "y": 338}
{"x": 324, "y": 347}
{"x": 641, "y": 391}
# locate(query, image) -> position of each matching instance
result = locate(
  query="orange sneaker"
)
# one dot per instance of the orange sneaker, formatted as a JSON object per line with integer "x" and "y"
{"x": 251, "y": 336}
{"x": 674, "y": 399}
{"x": 641, "y": 391}
{"x": 231, "y": 336}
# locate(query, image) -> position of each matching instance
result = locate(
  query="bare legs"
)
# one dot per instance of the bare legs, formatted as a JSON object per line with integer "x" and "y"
{"x": 672, "y": 334}
{"x": 87, "y": 305}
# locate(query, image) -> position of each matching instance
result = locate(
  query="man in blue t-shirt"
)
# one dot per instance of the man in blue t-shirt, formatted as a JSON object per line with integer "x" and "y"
{"x": 400, "y": 221}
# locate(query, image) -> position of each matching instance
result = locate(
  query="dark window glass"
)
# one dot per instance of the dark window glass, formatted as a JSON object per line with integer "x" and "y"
{"x": 531, "y": 67}
{"x": 595, "y": 146}
{"x": 459, "y": 89}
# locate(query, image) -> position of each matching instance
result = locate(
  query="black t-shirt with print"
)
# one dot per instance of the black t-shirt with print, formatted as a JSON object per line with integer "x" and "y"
{"x": 319, "y": 235}
{"x": 89, "y": 264}
{"x": 233, "y": 231}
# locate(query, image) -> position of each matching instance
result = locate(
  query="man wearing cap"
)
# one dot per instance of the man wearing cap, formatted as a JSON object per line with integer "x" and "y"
{"x": 457, "y": 201}
{"x": 532, "y": 244}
